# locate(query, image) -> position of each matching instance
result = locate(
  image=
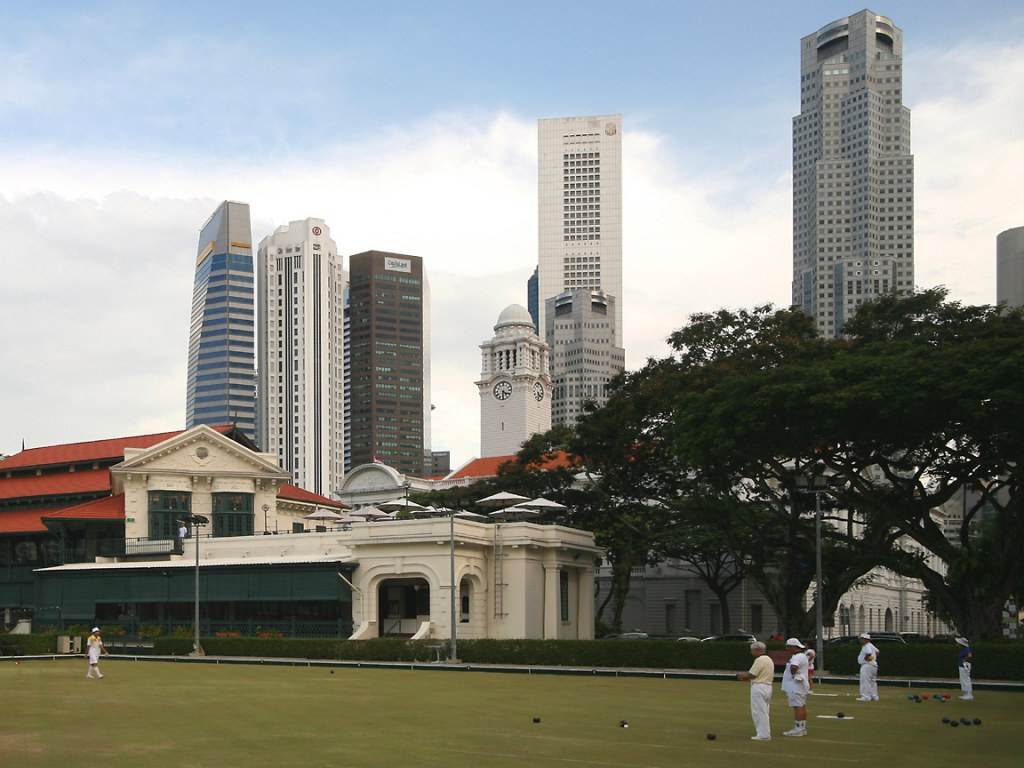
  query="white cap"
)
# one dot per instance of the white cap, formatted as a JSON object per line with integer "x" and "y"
{"x": 95, "y": 629}
{"x": 865, "y": 636}
{"x": 963, "y": 641}
{"x": 795, "y": 642}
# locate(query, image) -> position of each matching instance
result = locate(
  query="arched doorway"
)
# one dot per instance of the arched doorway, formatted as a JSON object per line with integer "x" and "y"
{"x": 888, "y": 620}
{"x": 861, "y": 626}
{"x": 402, "y": 606}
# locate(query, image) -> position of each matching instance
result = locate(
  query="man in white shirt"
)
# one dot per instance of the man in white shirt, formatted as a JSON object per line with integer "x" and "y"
{"x": 796, "y": 686}
{"x": 760, "y": 675}
{"x": 95, "y": 647}
{"x": 868, "y": 660}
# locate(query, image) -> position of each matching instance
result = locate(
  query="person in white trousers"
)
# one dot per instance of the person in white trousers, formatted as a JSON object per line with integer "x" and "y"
{"x": 796, "y": 686}
{"x": 964, "y": 662}
{"x": 868, "y": 660}
{"x": 761, "y": 674}
{"x": 95, "y": 647}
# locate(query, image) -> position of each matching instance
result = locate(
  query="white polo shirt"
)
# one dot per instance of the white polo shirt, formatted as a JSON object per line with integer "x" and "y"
{"x": 796, "y": 683}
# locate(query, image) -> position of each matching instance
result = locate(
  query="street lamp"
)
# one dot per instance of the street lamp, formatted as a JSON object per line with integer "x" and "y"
{"x": 816, "y": 483}
{"x": 266, "y": 508}
{"x": 196, "y": 520}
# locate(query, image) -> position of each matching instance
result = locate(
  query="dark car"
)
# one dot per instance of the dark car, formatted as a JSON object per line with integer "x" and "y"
{"x": 737, "y": 638}
{"x": 876, "y": 638}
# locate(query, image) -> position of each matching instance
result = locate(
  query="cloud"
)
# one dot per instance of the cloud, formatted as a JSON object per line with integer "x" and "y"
{"x": 99, "y": 246}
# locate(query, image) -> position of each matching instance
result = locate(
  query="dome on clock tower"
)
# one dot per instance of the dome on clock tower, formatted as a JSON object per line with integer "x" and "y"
{"x": 513, "y": 314}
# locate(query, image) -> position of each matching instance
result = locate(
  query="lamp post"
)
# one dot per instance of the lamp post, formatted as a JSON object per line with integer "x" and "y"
{"x": 266, "y": 509}
{"x": 195, "y": 521}
{"x": 816, "y": 483}
{"x": 454, "y": 654}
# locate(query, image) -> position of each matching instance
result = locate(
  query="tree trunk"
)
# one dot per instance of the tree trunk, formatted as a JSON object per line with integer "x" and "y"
{"x": 723, "y": 601}
{"x": 621, "y": 570}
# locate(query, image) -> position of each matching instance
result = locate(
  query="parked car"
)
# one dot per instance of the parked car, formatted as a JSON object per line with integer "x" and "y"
{"x": 629, "y": 636}
{"x": 687, "y": 639}
{"x": 876, "y": 638}
{"x": 736, "y": 638}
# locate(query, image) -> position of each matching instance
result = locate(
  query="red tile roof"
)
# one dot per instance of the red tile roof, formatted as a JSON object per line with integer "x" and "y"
{"x": 294, "y": 493}
{"x": 23, "y": 520}
{"x": 55, "y": 484}
{"x": 489, "y": 466}
{"x": 92, "y": 450}
{"x": 107, "y": 508}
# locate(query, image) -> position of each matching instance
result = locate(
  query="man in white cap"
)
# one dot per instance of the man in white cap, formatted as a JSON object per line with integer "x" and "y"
{"x": 796, "y": 686}
{"x": 964, "y": 661}
{"x": 95, "y": 647}
{"x": 761, "y": 674}
{"x": 868, "y": 660}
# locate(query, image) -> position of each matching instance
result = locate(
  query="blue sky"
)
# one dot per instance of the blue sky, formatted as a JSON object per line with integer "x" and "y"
{"x": 248, "y": 78}
{"x": 411, "y": 127}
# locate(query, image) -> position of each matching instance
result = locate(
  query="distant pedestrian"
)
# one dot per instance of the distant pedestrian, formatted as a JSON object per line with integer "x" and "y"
{"x": 868, "y": 661}
{"x": 95, "y": 647}
{"x": 761, "y": 674}
{"x": 965, "y": 661}
{"x": 795, "y": 685}
{"x": 183, "y": 531}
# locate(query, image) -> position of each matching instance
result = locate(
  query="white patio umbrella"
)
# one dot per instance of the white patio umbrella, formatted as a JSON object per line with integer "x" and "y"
{"x": 369, "y": 513}
{"x": 470, "y": 515}
{"x": 514, "y": 511}
{"x": 542, "y": 505}
{"x": 323, "y": 514}
{"x": 400, "y": 505}
{"x": 501, "y": 499}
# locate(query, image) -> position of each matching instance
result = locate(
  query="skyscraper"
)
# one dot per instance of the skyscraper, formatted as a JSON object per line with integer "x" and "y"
{"x": 853, "y": 174}
{"x": 389, "y": 359}
{"x": 221, "y": 386}
{"x": 584, "y": 355}
{"x": 1010, "y": 267}
{"x": 533, "y": 299}
{"x": 301, "y": 348}
{"x": 580, "y": 209}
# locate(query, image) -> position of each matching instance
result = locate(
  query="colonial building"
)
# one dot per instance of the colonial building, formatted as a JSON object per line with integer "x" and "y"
{"x": 263, "y": 566}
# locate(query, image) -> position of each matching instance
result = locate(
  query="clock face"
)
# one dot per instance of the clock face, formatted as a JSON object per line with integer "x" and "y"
{"x": 503, "y": 390}
{"x": 538, "y": 391}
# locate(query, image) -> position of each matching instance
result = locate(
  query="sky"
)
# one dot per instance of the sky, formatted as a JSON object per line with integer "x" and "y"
{"x": 412, "y": 127}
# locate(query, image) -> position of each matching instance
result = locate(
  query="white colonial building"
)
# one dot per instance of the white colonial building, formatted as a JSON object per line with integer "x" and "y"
{"x": 515, "y": 384}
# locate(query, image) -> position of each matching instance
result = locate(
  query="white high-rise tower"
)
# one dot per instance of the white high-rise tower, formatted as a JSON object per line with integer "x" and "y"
{"x": 515, "y": 386}
{"x": 301, "y": 353}
{"x": 853, "y": 174}
{"x": 580, "y": 209}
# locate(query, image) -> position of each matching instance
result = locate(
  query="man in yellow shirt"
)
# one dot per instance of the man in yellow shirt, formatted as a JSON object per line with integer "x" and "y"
{"x": 761, "y": 674}
{"x": 95, "y": 647}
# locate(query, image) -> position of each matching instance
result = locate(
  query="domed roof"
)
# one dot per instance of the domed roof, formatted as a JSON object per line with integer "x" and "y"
{"x": 514, "y": 314}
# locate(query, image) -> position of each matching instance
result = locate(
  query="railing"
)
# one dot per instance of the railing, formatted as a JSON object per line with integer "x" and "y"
{"x": 86, "y": 551}
{"x": 134, "y": 630}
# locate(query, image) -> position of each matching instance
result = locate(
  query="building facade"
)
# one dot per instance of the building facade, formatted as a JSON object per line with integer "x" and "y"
{"x": 580, "y": 331}
{"x": 853, "y": 172}
{"x": 389, "y": 359}
{"x": 221, "y": 385}
{"x": 301, "y": 353}
{"x": 1010, "y": 267}
{"x": 580, "y": 209}
{"x": 514, "y": 384}
{"x": 533, "y": 299}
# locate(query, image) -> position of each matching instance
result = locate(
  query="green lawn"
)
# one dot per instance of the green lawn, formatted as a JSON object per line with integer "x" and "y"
{"x": 154, "y": 714}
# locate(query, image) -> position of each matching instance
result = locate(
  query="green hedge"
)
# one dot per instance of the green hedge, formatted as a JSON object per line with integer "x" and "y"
{"x": 994, "y": 660}
{"x": 27, "y": 645}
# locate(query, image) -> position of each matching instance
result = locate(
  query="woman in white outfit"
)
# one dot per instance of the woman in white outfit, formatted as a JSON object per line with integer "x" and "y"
{"x": 868, "y": 660}
{"x": 95, "y": 648}
{"x": 796, "y": 687}
{"x": 760, "y": 675}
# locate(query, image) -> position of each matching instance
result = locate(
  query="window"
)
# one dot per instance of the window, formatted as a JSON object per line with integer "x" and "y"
{"x": 563, "y": 590}
{"x": 232, "y": 514}
{"x": 165, "y": 507}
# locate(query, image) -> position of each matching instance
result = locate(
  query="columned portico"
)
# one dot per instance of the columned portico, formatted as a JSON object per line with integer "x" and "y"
{"x": 552, "y": 602}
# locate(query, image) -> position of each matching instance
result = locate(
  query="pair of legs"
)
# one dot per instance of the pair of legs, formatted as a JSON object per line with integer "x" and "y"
{"x": 760, "y": 704}
{"x": 966, "y": 686}
{"x": 94, "y": 669}
{"x": 868, "y": 683}
{"x": 798, "y": 701}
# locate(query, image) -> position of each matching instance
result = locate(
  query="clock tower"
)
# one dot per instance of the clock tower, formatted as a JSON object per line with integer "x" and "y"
{"x": 515, "y": 384}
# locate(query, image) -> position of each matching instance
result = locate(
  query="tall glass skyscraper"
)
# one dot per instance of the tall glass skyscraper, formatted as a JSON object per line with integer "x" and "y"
{"x": 221, "y": 344}
{"x": 853, "y": 173}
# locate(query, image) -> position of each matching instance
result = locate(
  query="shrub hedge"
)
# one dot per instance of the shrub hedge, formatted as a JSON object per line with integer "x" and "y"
{"x": 995, "y": 660}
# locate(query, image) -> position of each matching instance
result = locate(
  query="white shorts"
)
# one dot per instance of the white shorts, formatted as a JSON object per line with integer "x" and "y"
{"x": 796, "y": 699}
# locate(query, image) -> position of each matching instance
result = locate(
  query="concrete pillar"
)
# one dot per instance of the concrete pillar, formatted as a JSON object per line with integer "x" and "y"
{"x": 585, "y": 599}
{"x": 551, "y": 600}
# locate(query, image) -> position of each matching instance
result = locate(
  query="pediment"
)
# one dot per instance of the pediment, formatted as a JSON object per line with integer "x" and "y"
{"x": 204, "y": 450}
{"x": 371, "y": 477}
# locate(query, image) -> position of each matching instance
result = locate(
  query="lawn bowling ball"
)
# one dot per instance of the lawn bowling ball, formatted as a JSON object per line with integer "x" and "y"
{"x": 945, "y": 721}
{"x": 964, "y": 721}
{"x": 712, "y": 737}
{"x": 924, "y": 695}
{"x": 840, "y": 715}
{"x": 918, "y": 700}
{"x": 910, "y": 697}
{"x": 332, "y": 671}
{"x": 623, "y": 724}
{"x": 954, "y": 723}
{"x": 977, "y": 721}
{"x": 536, "y": 719}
